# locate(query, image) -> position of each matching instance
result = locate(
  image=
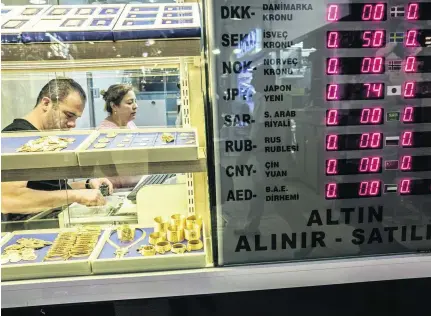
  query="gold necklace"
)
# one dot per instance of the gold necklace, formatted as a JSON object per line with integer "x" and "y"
{"x": 122, "y": 251}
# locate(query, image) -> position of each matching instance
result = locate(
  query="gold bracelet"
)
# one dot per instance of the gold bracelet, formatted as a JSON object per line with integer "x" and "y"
{"x": 163, "y": 247}
{"x": 157, "y": 237}
{"x": 178, "y": 220}
{"x": 175, "y": 234}
{"x": 194, "y": 245}
{"x": 192, "y": 221}
{"x": 160, "y": 225}
{"x": 192, "y": 234}
{"x": 147, "y": 250}
{"x": 179, "y": 248}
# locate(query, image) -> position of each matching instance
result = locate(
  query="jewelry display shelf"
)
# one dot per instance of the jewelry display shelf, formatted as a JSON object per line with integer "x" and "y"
{"x": 13, "y": 160}
{"x": 103, "y": 258}
{"x": 142, "y": 145}
{"x": 43, "y": 269}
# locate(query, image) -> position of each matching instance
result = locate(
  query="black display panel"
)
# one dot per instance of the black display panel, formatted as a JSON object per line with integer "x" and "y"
{"x": 355, "y": 65}
{"x": 356, "y": 12}
{"x": 416, "y": 139}
{"x": 365, "y": 189}
{"x": 417, "y": 38}
{"x": 356, "y": 39}
{"x": 417, "y": 89}
{"x": 364, "y": 165}
{"x": 418, "y": 163}
{"x": 360, "y": 91}
{"x": 351, "y": 142}
{"x": 417, "y": 64}
{"x": 416, "y": 115}
{"x": 414, "y": 187}
{"x": 418, "y": 11}
{"x": 350, "y": 117}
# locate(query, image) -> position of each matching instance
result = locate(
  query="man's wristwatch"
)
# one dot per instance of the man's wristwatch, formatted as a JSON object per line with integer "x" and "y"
{"x": 87, "y": 184}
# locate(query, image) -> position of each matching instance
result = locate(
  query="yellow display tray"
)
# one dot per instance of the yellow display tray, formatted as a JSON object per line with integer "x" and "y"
{"x": 139, "y": 263}
{"x": 144, "y": 146}
{"x": 39, "y": 269}
{"x": 12, "y": 160}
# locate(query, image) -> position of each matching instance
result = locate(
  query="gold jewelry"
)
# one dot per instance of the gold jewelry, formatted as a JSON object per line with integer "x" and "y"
{"x": 163, "y": 247}
{"x": 175, "y": 234}
{"x": 192, "y": 234}
{"x": 178, "y": 220}
{"x": 147, "y": 250}
{"x": 160, "y": 225}
{"x": 125, "y": 233}
{"x": 179, "y": 248}
{"x": 194, "y": 245}
{"x": 122, "y": 251}
{"x": 157, "y": 237}
{"x": 192, "y": 221}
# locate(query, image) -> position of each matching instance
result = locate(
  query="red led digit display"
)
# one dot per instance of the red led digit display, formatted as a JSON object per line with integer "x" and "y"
{"x": 356, "y": 12}
{"x": 414, "y": 186}
{"x": 416, "y": 115}
{"x": 351, "y": 142}
{"x": 406, "y": 163}
{"x": 365, "y": 91}
{"x": 417, "y": 64}
{"x": 415, "y": 163}
{"x": 356, "y": 39}
{"x": 370, "y": 188}
{"x": 347, "y": 117}
{"x": 418, "y": 11}
{"x": 416, "y": 139}
{"x": 417, "y": 38}
{"x": 416, "y": 89}
{"x": 355, "y": 65}
{"x": 364, "y": 165}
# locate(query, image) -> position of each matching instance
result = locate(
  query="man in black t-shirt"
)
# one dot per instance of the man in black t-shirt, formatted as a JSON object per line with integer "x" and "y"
{"x": 59, "y": 104}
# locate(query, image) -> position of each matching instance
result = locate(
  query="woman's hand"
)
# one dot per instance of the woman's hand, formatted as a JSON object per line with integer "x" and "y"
{"x": 97, "y": 182}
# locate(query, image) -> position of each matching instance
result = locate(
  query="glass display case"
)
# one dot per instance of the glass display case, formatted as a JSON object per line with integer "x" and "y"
{"x": 105, "y": 169}
{"x": 321, "y": 121}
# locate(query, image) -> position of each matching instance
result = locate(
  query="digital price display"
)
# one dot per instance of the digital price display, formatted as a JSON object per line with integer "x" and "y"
{"x": 364, "y": 165}
{"x": 418, "y": 38}
{"x": 356, "y": 12}
{"x": 352, "y": 142}
{"x": 417, "y": 64}
{"x": 355, "y": 65}
{"x": 418, "y": 11}
{"x": 348, "y": 117}
{"x": 416, "y": 115}
{"x": 356, "y": 39}
{"x": 416, "y": 139}
{"x": 417, "y": 163}
{"x": 417, "y": 89}
{"x": 365, "y": 189}
{"x": 357, "y": 91}
{"x": 415, "y": 187}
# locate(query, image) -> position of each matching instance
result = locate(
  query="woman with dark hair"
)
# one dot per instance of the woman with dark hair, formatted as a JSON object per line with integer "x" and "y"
{"x": 120, "y": 103}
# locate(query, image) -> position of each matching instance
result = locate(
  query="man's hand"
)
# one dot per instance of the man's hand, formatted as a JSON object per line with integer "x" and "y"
{"x": 89, "y": 197}
{"x": 97, "y": 182}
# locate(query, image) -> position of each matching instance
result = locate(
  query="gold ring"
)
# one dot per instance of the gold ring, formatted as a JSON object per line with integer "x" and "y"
{"x": 175, "y": 234}
{"x": 163, "y": 247}
{"x": 160, "y": 225}
{"x": 178, "y": 220}
{"x": 157, "y": 237}
{"x": 194, "y": 245}
{"x": 148, "y": 250}
{"x": 192, "y": 221}
{"x": 192, "y": 234}
{"x": 179, "y": 248}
